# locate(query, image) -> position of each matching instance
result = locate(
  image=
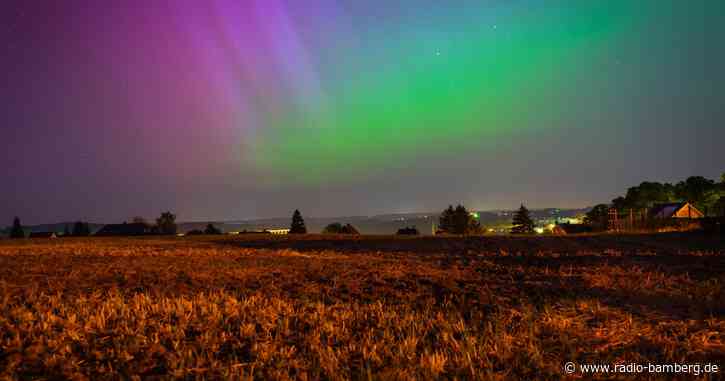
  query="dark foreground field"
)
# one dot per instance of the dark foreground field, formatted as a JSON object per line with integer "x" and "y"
{"x": 368, "y": 308}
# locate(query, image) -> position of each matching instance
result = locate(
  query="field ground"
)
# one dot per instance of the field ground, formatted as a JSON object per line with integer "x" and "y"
{"x": 357, "y": 308}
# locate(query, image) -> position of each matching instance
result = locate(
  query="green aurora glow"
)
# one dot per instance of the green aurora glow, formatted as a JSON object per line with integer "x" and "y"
{"x": 465, "y": 86}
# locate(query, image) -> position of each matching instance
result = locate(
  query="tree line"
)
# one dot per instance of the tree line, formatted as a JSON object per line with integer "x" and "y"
{"x": 456, "y": 221}
{"x": 705, "y": 194}
{"x": 80, "y": 229}
{"x": 165, "y": 225}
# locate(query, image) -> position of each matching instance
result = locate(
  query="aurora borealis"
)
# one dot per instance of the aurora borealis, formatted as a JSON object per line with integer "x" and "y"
{"x": 431, "y": 88}
{"x": 229, "y": 109}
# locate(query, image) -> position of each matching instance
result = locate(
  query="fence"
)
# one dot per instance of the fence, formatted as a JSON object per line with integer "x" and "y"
{"x": 631, "y": 220}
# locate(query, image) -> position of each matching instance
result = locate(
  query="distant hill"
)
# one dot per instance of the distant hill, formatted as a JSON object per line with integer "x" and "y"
{"x": 377, "y": 224}
{"x": 385, "y": 223}
{"x": 57, "y": 228}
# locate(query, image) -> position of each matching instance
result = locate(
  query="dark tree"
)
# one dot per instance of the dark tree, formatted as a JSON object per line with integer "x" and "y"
{"x": 139, "y": 220}
{"x": 445, "y": 221}
{"x": 349, "y": 229}
{"x": 211, "y": 229}
{"x": 701, "y": 192}
{"x": 619, "y": 203}
{"x": 166, "y": 223}
{"x": 195, "y": 232}
{"x": 522, "y": 222}
{"x": 694, "y": 189}
{"x": 719, "y": 207}
{"x": 66, "y": 231}
{"x": 408, "y": 231}
{"x": 17, "y": 229}
{"x": 298, "y": 224}
{"x": 598, "y": 217}
{"x": 333, "y": 228}
{"x": 458, "y": 221}
{"x": 647, "y": 194}
{"x": 81, "y": 229}
{"x": 338, "y": 228}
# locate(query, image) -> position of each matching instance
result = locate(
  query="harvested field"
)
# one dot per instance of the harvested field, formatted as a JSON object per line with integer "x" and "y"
{"x": 315, "y": 307}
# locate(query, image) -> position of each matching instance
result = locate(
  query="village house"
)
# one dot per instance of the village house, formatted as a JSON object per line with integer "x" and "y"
{"x": 675, "y": 210}
{"x": 124, "y": 229}
{"x": 278, "y": 231}
{"x": 42, "y": 235}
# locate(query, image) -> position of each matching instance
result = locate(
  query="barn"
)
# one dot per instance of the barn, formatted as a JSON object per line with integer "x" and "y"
{"x": 124, "y": 229}
{"x": 675, "y": 210}
{"x": 42, "y": 235}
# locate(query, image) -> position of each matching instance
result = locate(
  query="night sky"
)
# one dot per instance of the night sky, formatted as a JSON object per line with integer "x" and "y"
{"x": 224, "y": 110}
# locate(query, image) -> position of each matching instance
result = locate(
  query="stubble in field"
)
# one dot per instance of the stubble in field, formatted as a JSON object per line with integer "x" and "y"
{"x": 162, "y": 308}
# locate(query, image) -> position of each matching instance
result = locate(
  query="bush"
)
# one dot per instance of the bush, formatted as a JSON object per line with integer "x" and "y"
{"x": 408, "y": 231}
{"x": 458, "y": 221}
{"x": 81, "y": 229}
{"x": 212, "y": 230}
{"x": 598, "y": 217}
{"x": 713, "y": 225}
{"x": 338, "y": 228}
